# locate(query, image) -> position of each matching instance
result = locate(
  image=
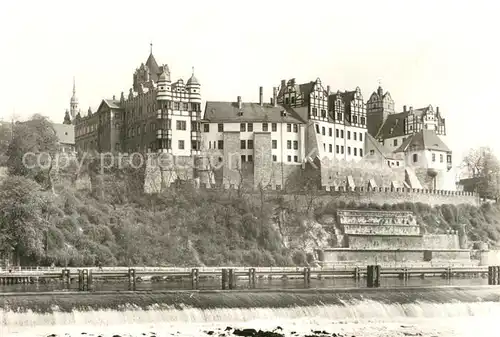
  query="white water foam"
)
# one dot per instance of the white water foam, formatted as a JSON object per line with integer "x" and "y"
{"x": 360, "y": 319}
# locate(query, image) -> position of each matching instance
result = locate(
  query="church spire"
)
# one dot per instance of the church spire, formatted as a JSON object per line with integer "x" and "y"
{"x": 73, "y": 104}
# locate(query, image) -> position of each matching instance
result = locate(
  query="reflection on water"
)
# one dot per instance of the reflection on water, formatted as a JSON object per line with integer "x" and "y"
{"x": 243, "y": 284}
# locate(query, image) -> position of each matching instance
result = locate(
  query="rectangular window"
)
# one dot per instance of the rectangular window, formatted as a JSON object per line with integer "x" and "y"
{"x": 206, "y": 127}
{"x": 176, "y": 106}
{"x": 330, "y": 148}
{"x": 355, "y": 151}
{"x": 295, "y": 145}
{"x": 296, "y": 159}
{"x": 250, "y": 128}
{"x": 274, "y": 127}
{"x": 372, "y": 152}
{"x": 185, "y": 106}
{"x": 330, "y": 132}
{"x": 243, "y": 144}
{"x": 440, "y": 158}
{"x": 342, "y": 149}
{"x": 289, "y": 128}
{"x": 275, "y": 158}
{"x": 348, "y": 134}
{"x": 220, "y": 144}
{"x": 289, "y": 144}
{"x": 243, "y": 127}
{"x": 250, "y": 158}
{"x": 181, "y": 145}
{"x": 275, "y": 144}
{"x": 323, "y": 132}
{"x": 243, "y": 158}
{"x": 295, "y": 128}
{"x": 395, "y": 142}
{"x": 220, "y": 127}
{"x": 360, "y": 137}
{"x": 362, "y": 120}
{"x": 355, "y": 135}
{"x": 265, "y": 127}
{"x": 337, "y": 133}
{"x": 433, "y": 157}
{"x": 180, "y": 125}
{"x": 337, "y": 148}
{"x": 317, "y": 128}
{"x": 289, "y": 158}
{"x": 349, "y": 150}
{"x": 361, "y": 152}
{"x": 341, "y": 133}
{"x": 250, "y": 145}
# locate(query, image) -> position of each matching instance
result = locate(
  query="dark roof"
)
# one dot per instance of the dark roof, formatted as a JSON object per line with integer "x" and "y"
{"x": 423, "y": 140}
{"x": 229, "y": 112}
{"x": 65, "y": 133}
{"x": 152, "y": 65}
{"x": 393, "y": 126}
{"x": 385, "y": 152}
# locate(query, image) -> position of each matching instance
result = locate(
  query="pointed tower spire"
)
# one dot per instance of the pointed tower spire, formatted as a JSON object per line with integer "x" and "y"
{"x": 192, "y": 74}
{"x": 151, "y": 47}
{"x": 73, "y": 104}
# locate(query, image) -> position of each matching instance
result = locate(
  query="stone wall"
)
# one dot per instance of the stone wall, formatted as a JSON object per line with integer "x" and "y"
{"x": 372, "y": 256}
{"x": 376, "y": 217}
{"x": 440, "y": 241}
{"x": 392, "y": 256}
{"x": 384, "y": 242}
{"x": 263, "y": 159}
{"x": 382, "y": 229}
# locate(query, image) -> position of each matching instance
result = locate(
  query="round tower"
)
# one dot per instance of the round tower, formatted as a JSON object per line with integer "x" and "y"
{"x": 164, "y": 91}
{"x": 193, "y": 88}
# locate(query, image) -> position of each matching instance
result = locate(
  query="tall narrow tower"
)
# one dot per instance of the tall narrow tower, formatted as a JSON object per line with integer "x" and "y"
{"x": 74, "y": 102}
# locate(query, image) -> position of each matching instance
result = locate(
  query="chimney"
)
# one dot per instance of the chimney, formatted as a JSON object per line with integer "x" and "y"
{"x": 283, "y": 83}
{"x": 437, "y": 109}
{"x": 328, "y": 90}
{"x": 404, "y": 108}
{"x": 292, "y": 81}
{"x": 113, "y": 97}
{"x": 240, "y": 105}
{"x": 261, "y": 98}
{"x": 275, "y": 96}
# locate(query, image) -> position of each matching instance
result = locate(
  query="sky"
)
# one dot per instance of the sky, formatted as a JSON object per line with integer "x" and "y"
{"x": 443, "y": 53}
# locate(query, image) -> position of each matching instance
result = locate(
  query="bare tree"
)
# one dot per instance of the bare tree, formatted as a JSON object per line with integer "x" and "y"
{"x": 484, "y": 165}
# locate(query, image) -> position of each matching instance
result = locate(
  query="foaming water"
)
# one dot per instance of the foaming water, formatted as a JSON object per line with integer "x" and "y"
{"x": 361, "y": 317}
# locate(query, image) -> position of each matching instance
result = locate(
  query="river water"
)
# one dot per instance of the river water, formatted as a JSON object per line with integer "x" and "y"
{"x": 444, "y": 313}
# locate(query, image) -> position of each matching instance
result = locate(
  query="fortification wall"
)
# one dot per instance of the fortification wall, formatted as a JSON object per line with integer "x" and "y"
{"x": 373, "y": 256}
{"x": 384, "y": 242}
{"x": 440, "y": 241}
{"x": 376, "y": 217}
{"x": 393, "y": 256}
{"x": 382, "y": 229}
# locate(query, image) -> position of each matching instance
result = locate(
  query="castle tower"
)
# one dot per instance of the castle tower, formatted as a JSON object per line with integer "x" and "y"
{"x": 378, "y": 107}
{"x": 164, "y": 99}
{"x": 73, "y": 102}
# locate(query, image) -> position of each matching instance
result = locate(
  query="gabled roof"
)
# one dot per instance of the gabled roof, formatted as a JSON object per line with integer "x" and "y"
{"x": 393, "y": 126}
{"x": 65, "y": 133}
{"x": 252, "y": 112}
{"x": 110, "y": 103}
{"x": 423, "y": 140}
{"x": 385, "y": 152}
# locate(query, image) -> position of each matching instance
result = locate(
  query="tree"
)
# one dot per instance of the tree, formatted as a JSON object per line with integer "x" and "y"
{"x": 24, "y": 217}
{"x": 36, "y": 136}
{"x": 484, "y": 165}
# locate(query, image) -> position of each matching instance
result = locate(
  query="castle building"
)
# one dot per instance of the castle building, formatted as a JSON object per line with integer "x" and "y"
{"x": 416, "y": 135}
{"x": 156, "y": 115}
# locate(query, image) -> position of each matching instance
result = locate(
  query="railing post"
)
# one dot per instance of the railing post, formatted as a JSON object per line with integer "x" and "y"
{"x": 307, "y": 276}
{"x": 89, "y": 279}
{"x": 194, "y": 278}
{"x": 373, "y": 276}
{"x": 232, "y": 279}
{"x": 251, "y": 277}
{"x": 223, "y": 278}
{"x": 131, "y": 279}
